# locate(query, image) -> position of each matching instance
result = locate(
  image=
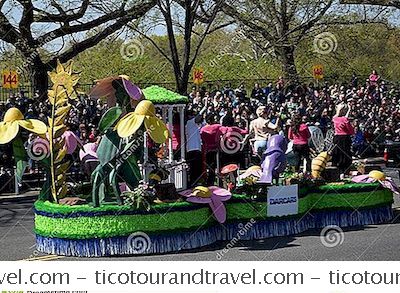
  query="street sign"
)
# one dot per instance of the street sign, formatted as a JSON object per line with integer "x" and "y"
{"x": 10, "y": 79}
{"x": 198, "y": 76}
{"x": 318, "y": 71}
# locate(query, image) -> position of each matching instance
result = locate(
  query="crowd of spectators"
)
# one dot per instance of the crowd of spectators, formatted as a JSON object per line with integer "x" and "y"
{"x": 360, "y": 116}
{"x": 83, "y": 120}
{"x": 372, "y": 108}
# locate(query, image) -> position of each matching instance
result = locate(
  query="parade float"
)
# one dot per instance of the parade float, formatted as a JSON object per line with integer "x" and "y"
{"x": 128, "y": 210}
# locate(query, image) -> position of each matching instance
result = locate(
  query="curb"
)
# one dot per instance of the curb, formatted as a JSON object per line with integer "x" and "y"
{"x": 17, "y": 198}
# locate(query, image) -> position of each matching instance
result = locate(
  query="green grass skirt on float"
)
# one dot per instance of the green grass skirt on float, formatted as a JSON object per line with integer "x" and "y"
{"x": 85, "y": 231}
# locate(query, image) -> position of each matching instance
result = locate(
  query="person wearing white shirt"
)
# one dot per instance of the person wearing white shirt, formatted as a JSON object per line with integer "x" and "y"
{"x": 193, "y": 146}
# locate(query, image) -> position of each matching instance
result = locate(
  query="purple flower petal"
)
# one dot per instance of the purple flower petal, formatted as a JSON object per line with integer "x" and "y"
{"x": 123, "y": 187}
{"x": 71, "y": 141}
{"x": 186, "y": 193}
{"x": 362, "y": 179}
{"x": 220, "y": 192}
{"x": 390, "y": 184}
{"x": 196, "y": 199}
{"x": 218, "y": 208}
{"x": 133, "y": 91}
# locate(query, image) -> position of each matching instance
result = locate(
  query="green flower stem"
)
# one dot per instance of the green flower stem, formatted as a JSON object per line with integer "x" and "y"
{"x": 52, "y": 167}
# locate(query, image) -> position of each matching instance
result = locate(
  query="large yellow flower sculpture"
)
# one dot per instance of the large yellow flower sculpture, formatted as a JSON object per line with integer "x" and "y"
{"x": 13, "y": 120}
{"x": 64, "y": 82}
{"x": 63, "y": 78}
{"x": 144, "y": 113}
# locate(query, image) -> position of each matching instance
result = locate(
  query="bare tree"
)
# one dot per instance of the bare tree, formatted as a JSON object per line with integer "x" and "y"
{"x": 278, "y": 26}
{"x": 187, "y": 24}
{"x": 80, "y": 23}
{"x": 389, "y": 3}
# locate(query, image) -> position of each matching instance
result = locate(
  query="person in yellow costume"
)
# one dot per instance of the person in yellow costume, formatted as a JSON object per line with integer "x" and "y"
{"x": 13, "y": 120}
{"x": 145, "y": 113}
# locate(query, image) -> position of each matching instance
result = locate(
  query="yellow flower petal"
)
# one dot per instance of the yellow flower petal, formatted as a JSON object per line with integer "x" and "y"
{"x": 75, "y": 79}
{"x": 53, "y": 76}
{"x": 33, "y": 125}
{"x": 156, "y": 129}
{"x": 60, "y": 67}
{"x": 73, "y": 95}
{"x": 68, "y": 67}
{"x": 129, "y": 124}
{"x": 8, "y": 131}
{"x": 145, "y": 107}
{"x": 13, "y": 114}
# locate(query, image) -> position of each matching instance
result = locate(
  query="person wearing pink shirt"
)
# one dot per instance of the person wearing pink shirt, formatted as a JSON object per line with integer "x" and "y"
{"x": 374, "y": 78}
{"x": 300, "y": 134}
{"x": 341, "y": 154}
{"x": 176, "y": 136}
{"x": 211, "y": 135}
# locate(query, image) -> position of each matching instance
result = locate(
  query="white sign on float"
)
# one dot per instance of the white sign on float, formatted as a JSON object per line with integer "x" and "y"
{"x": 283, "y": 200}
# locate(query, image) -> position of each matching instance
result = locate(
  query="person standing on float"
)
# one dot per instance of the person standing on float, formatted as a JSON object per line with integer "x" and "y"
{"x": 342, "y": 155}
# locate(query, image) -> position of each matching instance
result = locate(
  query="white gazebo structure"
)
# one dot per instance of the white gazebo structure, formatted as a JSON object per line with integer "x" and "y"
{"x": 175, "y": 164}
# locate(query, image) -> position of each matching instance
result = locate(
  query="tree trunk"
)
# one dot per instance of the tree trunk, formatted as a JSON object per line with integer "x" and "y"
{"x": 182, "y": 83}
{"x": 286, "y": 56}
{"x": 40, "y": 81}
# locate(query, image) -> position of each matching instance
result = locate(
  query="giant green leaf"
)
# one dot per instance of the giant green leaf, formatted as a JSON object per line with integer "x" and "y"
{"x": 98, "y": 187}
{"x": 109, "y": 147}
{"x": 114, "y": 184}
{"x": 109, "y": 118}
{"x": 20, "y": 157}
{"x": 130, "y": 172}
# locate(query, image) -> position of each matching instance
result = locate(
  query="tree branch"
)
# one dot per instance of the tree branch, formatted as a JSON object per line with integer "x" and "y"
{"x": 166, "y": 11}
{"x": 94, "y": 40}
{"x": 161, "y": 51}
{"x": 247, "y": 20}
{"x": 303, "y": 28}
{"x": 63, "y": 15}
{"x": 26, "y": 20}
{"x": 206, "y": 32}
{"x": 8, "y": 33}
{"x": 221, "y": 26}
{"x": 389, "y": 3}
{"x": 132, "y": 13}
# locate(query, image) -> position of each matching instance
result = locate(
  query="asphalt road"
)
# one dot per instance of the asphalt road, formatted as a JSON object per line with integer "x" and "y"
{"x": 377, "y": 242}
{"x": 380, "y": 242}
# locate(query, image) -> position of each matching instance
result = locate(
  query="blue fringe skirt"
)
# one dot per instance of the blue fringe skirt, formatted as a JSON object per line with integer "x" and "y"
{"x": 141, "y": 243}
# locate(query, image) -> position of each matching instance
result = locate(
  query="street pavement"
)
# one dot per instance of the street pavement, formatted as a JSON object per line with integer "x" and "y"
{"x": 375, "y": 242}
